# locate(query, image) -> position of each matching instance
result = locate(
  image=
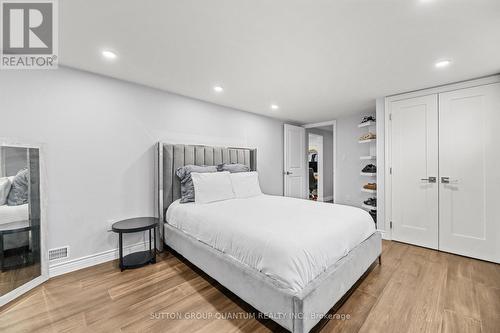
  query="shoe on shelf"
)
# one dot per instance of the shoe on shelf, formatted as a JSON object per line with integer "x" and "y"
{"x": 367, "y": 136}
{"x": 370, "y": 186}
{"x": 367, "y": 119}
{"x": 363, "y": 137}
{"x": 371, "y": 136}
{"x": 370, "y": 168}
{"x": 371, "y": 202}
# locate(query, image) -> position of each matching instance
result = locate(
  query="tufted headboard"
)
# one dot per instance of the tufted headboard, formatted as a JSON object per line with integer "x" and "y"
{"x": 172, "y": 156}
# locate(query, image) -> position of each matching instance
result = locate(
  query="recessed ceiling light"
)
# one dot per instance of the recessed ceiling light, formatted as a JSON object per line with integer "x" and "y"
{"x": 274, "y": 107}
{"x": 218, "y": 89}
{"x": 109, "y": 54}
{"x": 442, "y": 63}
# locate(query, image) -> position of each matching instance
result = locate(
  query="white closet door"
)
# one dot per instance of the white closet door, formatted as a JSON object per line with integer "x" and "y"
{"x": 414, "y": 147}
{"x": 469, "y": 157}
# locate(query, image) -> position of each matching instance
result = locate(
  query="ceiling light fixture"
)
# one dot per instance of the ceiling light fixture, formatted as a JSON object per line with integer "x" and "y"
{"x": 109, "y": 54}
{"x": 218, "y": 89}
{"x": 274, "y": 107}
{"x": 442, "y": 63}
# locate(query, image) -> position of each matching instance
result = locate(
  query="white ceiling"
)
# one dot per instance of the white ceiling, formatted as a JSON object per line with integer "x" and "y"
{"x": 316, "y": 59}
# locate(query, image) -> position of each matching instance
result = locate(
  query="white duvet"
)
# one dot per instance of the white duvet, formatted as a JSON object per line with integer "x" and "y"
{"x": 290, "y": 240}
{"x": 9, "y": 214}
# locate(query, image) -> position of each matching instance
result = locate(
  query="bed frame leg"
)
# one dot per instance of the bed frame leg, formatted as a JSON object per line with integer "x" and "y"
{"x": 380, "y": 259}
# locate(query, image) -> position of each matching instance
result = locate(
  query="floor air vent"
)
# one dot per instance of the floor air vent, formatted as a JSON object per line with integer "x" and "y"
{"x": 59, "y": 253}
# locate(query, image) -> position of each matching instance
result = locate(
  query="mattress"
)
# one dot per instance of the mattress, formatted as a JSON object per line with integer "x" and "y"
{"x": 14, "y": 217}
{"x": 291, "y": 241}
{"x": 9, "y": 214}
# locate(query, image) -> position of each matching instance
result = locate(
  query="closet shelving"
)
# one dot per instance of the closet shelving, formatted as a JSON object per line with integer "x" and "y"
{"x": 369, "y": 158}
{"x": 367, "y": 124}
{"x": 368, "y": 174}
{"x": 368, "y": 207}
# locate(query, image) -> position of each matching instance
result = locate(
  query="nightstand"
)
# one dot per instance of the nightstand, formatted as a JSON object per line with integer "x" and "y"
{"x": 138, "y": 224}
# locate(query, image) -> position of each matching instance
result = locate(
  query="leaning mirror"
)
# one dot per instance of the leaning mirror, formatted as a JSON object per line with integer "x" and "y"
{"x": 20, "y": 217}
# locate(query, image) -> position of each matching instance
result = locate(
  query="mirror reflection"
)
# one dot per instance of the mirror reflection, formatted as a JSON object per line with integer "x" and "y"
{"x": 19, "y": 217}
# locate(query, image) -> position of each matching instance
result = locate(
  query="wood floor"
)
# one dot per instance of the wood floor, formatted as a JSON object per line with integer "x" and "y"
{"x": 414, "y": 290}
{"x": 11, "y": 279}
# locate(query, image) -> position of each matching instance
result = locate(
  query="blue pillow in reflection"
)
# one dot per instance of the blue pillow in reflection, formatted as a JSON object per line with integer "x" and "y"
{"x": 18, "y": 194}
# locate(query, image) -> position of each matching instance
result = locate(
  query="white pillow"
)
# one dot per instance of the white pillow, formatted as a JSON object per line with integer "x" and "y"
{"x": 245, "y": 184}
{"x": 212, "y": 186}
{"x": 5, "y": 185}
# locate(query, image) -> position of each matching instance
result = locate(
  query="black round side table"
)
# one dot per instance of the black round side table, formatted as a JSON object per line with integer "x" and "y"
{"x": 25, "y": 258}
{"x": 142, "y": 258}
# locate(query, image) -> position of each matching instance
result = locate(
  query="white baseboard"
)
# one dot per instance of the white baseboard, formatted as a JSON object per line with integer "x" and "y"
{"x": 385, "y": 235}
{"x": 59, "y": 268}
{"x": 12, "y": 295}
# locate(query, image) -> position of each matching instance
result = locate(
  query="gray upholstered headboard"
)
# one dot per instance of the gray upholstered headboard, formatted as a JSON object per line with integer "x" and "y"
{"x": 172, "y": 156}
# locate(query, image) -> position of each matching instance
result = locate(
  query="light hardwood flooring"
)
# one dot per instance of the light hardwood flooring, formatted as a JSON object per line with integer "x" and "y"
{"x": 11, "y": 279}
{"x": 414, "y": 290}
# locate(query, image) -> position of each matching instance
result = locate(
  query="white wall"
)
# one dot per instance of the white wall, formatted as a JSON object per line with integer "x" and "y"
{"x": 349, "y": 180}
{"x": 380, "y": 110}
{"x": 99, "y": 135}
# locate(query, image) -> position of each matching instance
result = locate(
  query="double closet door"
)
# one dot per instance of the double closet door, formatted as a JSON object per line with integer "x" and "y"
{"x": 445, "y": 179}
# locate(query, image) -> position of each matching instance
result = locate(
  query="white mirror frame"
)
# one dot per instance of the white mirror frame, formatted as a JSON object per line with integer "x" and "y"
{"x": 44, "y": 267}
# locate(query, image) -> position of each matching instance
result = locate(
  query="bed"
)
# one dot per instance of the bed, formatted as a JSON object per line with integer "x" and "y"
{"x": 10, "y": 214}
{"x": 291, "y": 259}
{"x": 14, "y": 217}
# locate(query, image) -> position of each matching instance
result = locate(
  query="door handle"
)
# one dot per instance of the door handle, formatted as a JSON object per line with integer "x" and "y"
{"x": 447, "y": 180}
{"x": 288, "y": 173}
{"x": 429, "y": 180}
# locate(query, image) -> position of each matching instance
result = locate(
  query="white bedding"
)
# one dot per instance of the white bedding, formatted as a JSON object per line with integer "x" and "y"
{"x": 290, "y": 240}
{"x": 9, "y": 214}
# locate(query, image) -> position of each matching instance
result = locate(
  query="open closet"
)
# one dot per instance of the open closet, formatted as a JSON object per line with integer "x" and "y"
{"x": 442, "y": 160}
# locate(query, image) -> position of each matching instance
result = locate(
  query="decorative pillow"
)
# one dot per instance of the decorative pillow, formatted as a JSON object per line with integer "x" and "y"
{"x": 245, "y": 184}
{"x": 5, "y": 185}
{"x": 18, "y": 194}
{"x": 210, "y": 187}
{"x": 184, "y": 174}
{"x": 233, "y": 167}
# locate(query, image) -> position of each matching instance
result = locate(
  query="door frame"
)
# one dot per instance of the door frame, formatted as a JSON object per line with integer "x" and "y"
{"x": 44, "y": 262}
{"x": 388, "y": 130}
{"x": 332, "y": 123}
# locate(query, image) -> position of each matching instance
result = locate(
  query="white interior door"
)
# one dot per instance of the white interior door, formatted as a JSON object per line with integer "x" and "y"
{"x": 294, "y": 161}
{"x": 414, "y": 153}
{"x": 469, "y": 157}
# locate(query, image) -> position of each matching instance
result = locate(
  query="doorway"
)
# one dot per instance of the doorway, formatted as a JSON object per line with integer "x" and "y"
{"x": 296, "y": 161}
{"x": 321, "y": 153}
{"x": 315, "y": 166}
